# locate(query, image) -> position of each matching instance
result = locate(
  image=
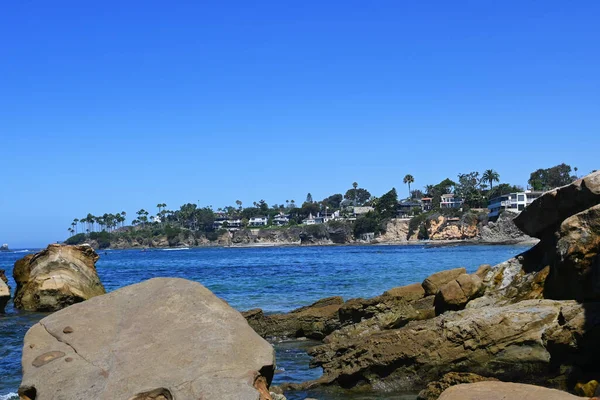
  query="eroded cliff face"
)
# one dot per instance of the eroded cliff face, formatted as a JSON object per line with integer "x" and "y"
{"x": 396, "y": 231}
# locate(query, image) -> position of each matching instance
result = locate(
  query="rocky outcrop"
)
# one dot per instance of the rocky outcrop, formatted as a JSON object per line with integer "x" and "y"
{"x": 532, "y": 319}
{"x": 4, "y": 247}
{"x": 315, "y": 321}
{"x": 544, "y": 215}
{"x": 56, "y": 278}
{"x": 396, "y": 231}
{"x": 164, "y": 338}
{"x": 433, "y": 283}
{"x": 455, "y": 294}
{"x": 503, "y": 391}
{"x": 527, "y": 341}
{"x": 446, "y": 228}
{"x": 433, "y": 390}
{"x": 503, "y": 230}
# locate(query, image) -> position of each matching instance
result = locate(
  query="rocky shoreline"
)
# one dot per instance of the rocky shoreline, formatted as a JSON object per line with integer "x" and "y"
{"x": 533, "y": 319}
{"x": 493, "y": 334}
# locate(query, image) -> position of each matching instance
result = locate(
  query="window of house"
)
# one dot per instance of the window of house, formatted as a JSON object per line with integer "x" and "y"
{"x": 521, "y": 197}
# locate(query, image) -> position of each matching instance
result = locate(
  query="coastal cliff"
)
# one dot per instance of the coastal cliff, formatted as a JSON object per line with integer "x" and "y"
{"x": 435, "y": 227}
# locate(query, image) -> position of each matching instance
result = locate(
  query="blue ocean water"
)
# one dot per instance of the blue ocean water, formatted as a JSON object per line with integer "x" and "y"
{"x": 276, "y": 279}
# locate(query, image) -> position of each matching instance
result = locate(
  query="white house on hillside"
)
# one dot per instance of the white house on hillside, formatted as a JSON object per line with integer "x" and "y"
{"x": 450, "y": 201}
{"x": 513, "y": 202}
{"x": 258, "y": 221}
{"x": 281, "y": 220}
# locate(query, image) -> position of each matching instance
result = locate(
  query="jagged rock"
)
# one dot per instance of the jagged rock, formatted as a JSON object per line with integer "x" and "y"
{"x": 455, "y": 294}
{"x": 411, "y": 292}
{"x": 396, "y": 316}
{"x": 483, "y": 270}
{"x": 56, "y": 278}
{"x": 521, "y": 342}
{"x": 503, "y": 230}
{"x": 315, "y": 321}
{"x": 435, "y": 389}
{"x": 543, "y": 217}
{"x": 434, "y": 282}
{"x": 576, "y": 272}
{"x": 503, "y": 391}
{"x": 163, "y": 337}
{"x": 563, "y": 266}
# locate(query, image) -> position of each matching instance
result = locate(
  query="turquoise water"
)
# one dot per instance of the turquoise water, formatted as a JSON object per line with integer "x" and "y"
{"x": 274, "y": 279}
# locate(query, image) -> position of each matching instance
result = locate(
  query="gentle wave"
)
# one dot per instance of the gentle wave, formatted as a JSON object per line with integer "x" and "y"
{"x": 180, "y": 248}
{"x": 20, "y": 251}
{"x": 10, "y": 396}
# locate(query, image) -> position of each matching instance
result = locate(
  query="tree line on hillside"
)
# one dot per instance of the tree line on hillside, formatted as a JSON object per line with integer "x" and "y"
{"x": 474, "y": 188}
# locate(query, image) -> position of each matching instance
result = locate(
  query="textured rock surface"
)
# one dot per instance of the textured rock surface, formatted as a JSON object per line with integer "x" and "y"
{"x": 576, "y": 272}
{"x": 315, "y": 321}
{"x": 411, "y": 292}
{"x": 433, "y": 283}
{"x": 526, "y": 341}
{"x": 544, "y": 215}
{"x": 435, "y": 389}
{"x": 503, "y": 230}
{"x": 164, "y": 336}
{"x": 56, "y": 277}
{"x": 455, "y": 294}
{"x": 4, "y": 295}
{"x": 503, "y": 391}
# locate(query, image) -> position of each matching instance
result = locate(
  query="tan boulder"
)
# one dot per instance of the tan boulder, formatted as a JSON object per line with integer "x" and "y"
{"x": 433, "y": 390}
{"x": 4, "y": 295}
{"x": 56, "y": 278}
{"x": 163, "y": 337}
{"x": 503, "y": 391}
{"x": 411, "y": 292}
{"x": 542, "y": 217}
{"x": 434, "y": 282}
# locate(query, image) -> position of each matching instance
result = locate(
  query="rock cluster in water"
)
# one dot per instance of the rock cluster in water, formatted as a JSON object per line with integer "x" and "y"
{"x": 56, "y": 277}
{"x": 532, "y": 319}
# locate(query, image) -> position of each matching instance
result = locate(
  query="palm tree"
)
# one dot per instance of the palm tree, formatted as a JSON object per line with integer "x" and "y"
{"x": 239, "y": 204}
{"x": 354, "y": 186}
{"x": 491, "y": 176}
{"x": 123, "y": 214}
{"x": 429, "y": 190}
{"x": 75, "y": 221}
{"x": 408, "y": 179}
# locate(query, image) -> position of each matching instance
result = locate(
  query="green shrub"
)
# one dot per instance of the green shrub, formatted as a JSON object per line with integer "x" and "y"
{"x": 76, "y": 239}
{"x": 366, "y": 224}
{"x": 416, "y": 222}
{"x": 317, "y": 231}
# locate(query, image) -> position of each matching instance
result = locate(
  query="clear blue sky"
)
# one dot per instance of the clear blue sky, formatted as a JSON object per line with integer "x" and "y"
{"x": 122, "y": 105}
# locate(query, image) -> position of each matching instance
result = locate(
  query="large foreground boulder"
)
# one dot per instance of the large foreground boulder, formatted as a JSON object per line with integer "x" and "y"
{"x": 503, "y": 391}
{"x": 56, "y": 278}
{"x": 163, "y": 337}
{"x": 530, "y": 341}
{"x": 435, "y": 389}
